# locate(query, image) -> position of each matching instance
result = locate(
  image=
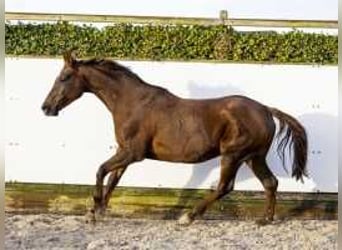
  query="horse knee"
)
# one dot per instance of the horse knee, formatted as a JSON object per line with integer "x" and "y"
{"x": 101, "y": 172}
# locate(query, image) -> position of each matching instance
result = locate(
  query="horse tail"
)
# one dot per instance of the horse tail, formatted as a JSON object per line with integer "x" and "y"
{"x": 295, "y": 135}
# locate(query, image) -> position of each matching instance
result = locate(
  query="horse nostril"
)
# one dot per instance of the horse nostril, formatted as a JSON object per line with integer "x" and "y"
{"x": 50, "y": 111}
{"x": 44, "y": 108}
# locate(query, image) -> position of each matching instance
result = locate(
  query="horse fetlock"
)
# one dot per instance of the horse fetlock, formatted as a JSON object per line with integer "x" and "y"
{"x": 97, "y": 215}
{"x": 100, "y": 209}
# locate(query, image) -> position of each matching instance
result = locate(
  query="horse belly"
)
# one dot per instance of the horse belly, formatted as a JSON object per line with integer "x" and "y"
{"x": 188, "y": 151}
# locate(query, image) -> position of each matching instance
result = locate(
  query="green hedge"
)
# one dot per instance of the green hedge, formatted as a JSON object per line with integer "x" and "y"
{"x": 126, "y": 41}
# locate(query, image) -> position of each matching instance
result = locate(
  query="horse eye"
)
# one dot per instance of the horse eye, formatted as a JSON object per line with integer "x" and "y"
{"x": 64, "y": 78}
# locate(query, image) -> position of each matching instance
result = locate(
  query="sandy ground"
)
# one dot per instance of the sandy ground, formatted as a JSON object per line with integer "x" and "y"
{"x": 46, "y": 231}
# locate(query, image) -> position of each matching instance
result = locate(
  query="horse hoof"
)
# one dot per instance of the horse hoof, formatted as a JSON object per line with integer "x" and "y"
{"x": 90, "y": 217}
{"x": 185, "y": 220}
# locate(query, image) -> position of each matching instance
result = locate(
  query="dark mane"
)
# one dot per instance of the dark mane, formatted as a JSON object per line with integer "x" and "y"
{"x": 112, "y": 69}
{"x": 109, "y": 67}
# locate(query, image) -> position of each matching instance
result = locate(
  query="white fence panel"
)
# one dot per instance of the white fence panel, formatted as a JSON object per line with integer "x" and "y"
{"x": 69, "y": 148}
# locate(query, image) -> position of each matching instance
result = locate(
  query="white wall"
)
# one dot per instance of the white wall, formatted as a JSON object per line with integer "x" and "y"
{"x": 290, "y": 9}
{"x": 264, "y": 9}
{"x": 70, "y": 147}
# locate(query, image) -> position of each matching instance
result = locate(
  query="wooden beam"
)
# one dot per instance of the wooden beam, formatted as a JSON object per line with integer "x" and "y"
{"x": 158, "y": 203}
{"x": 223, "y": 19}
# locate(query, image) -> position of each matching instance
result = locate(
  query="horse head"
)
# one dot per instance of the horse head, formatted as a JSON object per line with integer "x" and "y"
{"x": 68, "y": 86}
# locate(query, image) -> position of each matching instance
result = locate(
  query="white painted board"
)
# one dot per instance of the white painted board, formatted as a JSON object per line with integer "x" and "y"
{"x": 70, "y": 147}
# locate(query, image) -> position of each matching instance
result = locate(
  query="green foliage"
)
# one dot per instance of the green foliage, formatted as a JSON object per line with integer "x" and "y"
{"x": 173, "y": 42}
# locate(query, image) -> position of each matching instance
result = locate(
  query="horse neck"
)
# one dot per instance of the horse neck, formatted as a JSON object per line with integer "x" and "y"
{"x": 120, "y": 95}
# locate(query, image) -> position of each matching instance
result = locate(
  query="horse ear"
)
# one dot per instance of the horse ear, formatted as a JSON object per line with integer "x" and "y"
{"x": 69, "y": 58}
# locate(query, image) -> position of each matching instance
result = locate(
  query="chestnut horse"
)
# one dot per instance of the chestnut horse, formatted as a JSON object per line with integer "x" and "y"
{"x": 152, "y": 123}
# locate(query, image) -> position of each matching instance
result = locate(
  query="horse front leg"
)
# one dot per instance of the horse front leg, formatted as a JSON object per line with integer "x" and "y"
{"x": 118, "y": 162}
{"x": 112, "y": 182}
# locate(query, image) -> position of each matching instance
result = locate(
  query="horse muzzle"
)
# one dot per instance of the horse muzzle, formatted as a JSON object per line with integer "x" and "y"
{"x": 50, "y": 111}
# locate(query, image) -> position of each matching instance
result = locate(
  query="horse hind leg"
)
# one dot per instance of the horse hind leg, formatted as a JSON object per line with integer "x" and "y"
{"x": 270, "y": 183}
{"x": 229, "y": 168}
